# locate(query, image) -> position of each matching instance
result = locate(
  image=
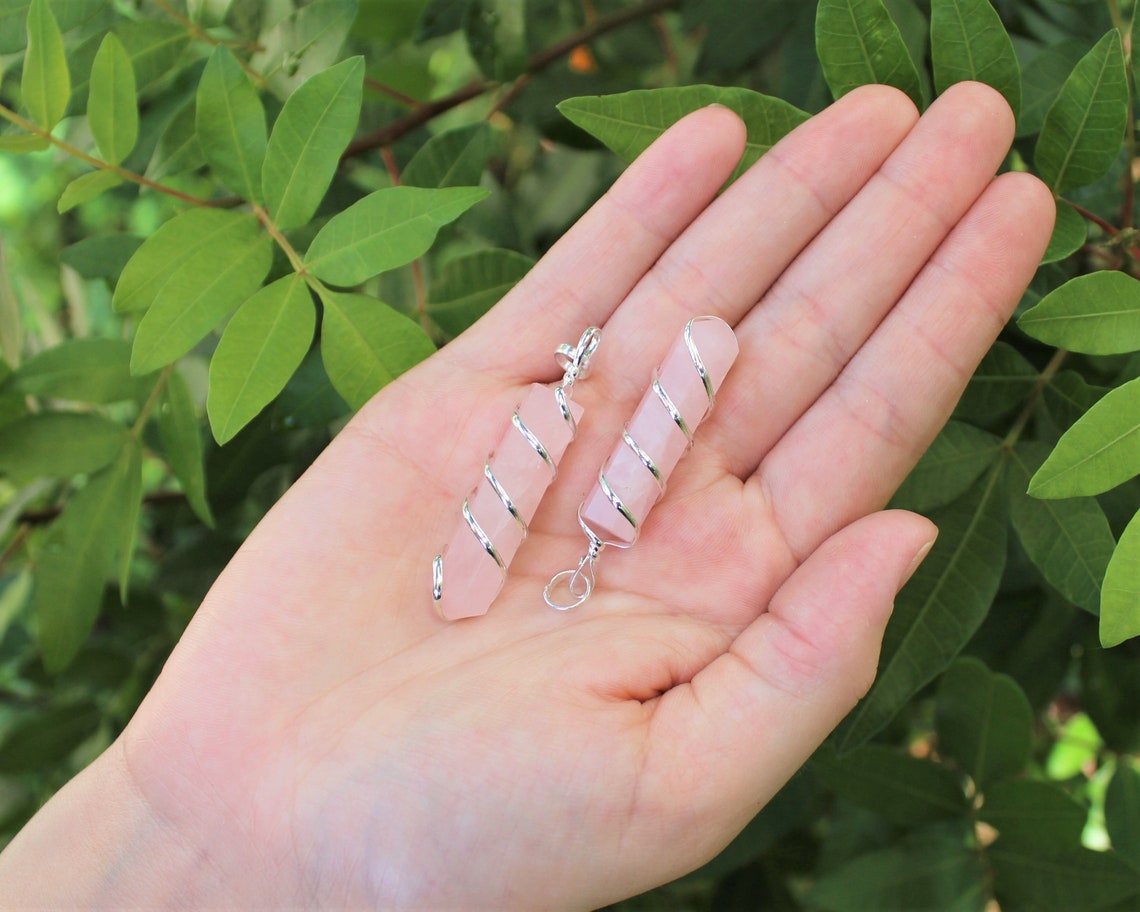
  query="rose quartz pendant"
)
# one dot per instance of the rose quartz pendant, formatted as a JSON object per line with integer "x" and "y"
{"x": 469, "y": 573}
{"x": 660, "y": 432}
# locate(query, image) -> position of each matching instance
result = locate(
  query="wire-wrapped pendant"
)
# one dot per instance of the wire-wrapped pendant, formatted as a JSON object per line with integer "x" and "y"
{"x": 468, "y": 574}
{"x": 680, "y": 396}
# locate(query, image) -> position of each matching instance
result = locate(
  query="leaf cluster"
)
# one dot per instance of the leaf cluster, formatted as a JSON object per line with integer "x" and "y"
{"x": 232, "y": 223}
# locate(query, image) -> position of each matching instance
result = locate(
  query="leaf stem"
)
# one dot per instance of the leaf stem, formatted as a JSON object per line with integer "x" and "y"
{"x": 151, "y": 402}
{"x": 377, "y": 86}
{"x": 1047, "y": 374}
{"x": 12, "y": 117}
{"x": 389, "y": 133}
{"x": 274, "y": 232}
{"x": 200, "y": 34}
{"x": 1105, "y": 226}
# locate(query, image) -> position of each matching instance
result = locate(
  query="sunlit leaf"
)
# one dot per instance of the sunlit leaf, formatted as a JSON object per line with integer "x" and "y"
{"x": 629, "y": 122}
{"x": 1098, "y": 314}
{"x": 858, "y": 44}
{"x": 179, "y": 429}
{"x": 365, "y": 345}
{"x": 86, "y": 188}
{"x": 939, "y": 609}
{"x": 1033, "y": 815}
{"x": 958, "y": 455}
{"x": 1068, "y": 540}
{"x": 470, "y": 285}
{"x": 1084, "y": 128}
{"x": 78, "y": 556}
{"x": 46, "y": 83}
{"x": 386, "y": 229}
{"x": 969, "y": 42}
{"x": 261, "y": 347}
{"x": 1120, "y": 592}
{"x": 231, "y": 124}
{"x": 904, "y": 789}
{"x": 213, "y": 274}
{"x": 1098, "y": 452}
{"x": 984, "y": 721}
{"x": 453, "y": 158}
{"x": 309, "y": 135}
{"x": 59, "y": 444}
{"x": 112, "y": 111}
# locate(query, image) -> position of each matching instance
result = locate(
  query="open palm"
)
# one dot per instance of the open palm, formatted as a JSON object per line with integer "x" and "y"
{"x": 320, "y": 737}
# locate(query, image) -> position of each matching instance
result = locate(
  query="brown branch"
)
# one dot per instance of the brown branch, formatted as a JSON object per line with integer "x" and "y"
{"x": 389, "y": 133}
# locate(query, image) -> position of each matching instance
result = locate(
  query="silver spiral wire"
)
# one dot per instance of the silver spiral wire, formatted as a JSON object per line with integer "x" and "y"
{"x": 580, "y": 581}
{"x": 575, "y": 363}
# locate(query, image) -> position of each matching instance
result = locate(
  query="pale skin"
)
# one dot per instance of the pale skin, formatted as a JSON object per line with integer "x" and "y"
{"x": 321, "y": 739}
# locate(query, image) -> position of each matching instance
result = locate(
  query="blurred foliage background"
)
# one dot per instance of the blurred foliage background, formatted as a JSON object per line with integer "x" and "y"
{"x": 994, "y": 764}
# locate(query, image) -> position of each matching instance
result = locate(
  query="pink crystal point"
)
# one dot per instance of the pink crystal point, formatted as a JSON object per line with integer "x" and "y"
{"x": 471, "y": 576}
{"x": 656, "y": 433}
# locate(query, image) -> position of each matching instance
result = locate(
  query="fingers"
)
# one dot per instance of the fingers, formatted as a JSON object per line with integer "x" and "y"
{"x": 591, "y": 269}
{"x": 724, "y": 744}
{"x": 851, "y": 450}
{"x": 736, "y": 248}
{"x": 832, "y": 297}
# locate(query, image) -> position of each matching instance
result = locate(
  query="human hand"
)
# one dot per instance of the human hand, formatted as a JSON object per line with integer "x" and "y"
{"x": 320, "y": 737}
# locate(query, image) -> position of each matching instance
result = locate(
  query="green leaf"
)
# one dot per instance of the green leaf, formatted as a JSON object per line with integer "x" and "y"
{"x": 858, "y": 43}
{"x": 439, "y": 18}
{"x": 1077, "y": 745}
{"x": 1000, "y": 384}
{"x": 1067, "y": 397}
{"x": 365, "y": 345}
{"x": 1122, "y": 811}
{"x": 939, "y": 609}
{"x": 1041, "y": 82}
{"x": 223, "y": 268}
{"x": 11, "y": 316}
{"x": 904, "y": 789}
{"x": 102, "y": 256}
{"x": 1098, "y": 314}
{"x": 231, "y": 124}
{"x": 23, "y": 143}
{"x": 309, "y": 135}
{"x": 14, "y": 14}
{"x": 112, "y": 111}
{"x": 1120, "y": 593}
{"x": 969, "y": 42}
{"x": 78, "y": 555}
{"x": 1084, "y": 128}
{"x": 309, "y": 399}
{"x": 82, "y": 370}
{"x": 629, "y": 122}
{"x": 927, "y": 875}
{"x": 955, "y": 460}
{"x": 59, "y": 444}
{"x": 86, "y": 188}
{"x": 1070, "y": 231}
{"x": 984, "y": 720}
{"x": 153, "y": 47}
{"x": 259, "y": 350}
{"x": 127, "y": 519}
{"x": 453, "y": 158}
{"x": 1079, "y": 880}
{"x": 1034, "y": 815}
{"x": 496, "y": 37}
{"x": 46, "y": 738}
{"x": 46, "y": 83}
{"x": 303, "y": 43}
{"x": 386, "y": 229}
{"x": 182, "y": 441}
{"x": 178, "y": 147}
{"x": 1098, "y": 452}
{"x": 470, "y": 285}
{"x": 1068, "y": 540}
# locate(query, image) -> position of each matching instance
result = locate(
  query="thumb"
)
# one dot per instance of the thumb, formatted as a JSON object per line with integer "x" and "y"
{"x": 752, "y": 717}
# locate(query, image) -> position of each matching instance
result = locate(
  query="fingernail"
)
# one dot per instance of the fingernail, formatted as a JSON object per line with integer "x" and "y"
{"x": 919, "y": 557}
{"x": 717, "y": 104}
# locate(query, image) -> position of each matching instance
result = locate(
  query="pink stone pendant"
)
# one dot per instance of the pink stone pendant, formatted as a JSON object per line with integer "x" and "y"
{"x": 679, "y": 398}
{"x": 468, "y": 574}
